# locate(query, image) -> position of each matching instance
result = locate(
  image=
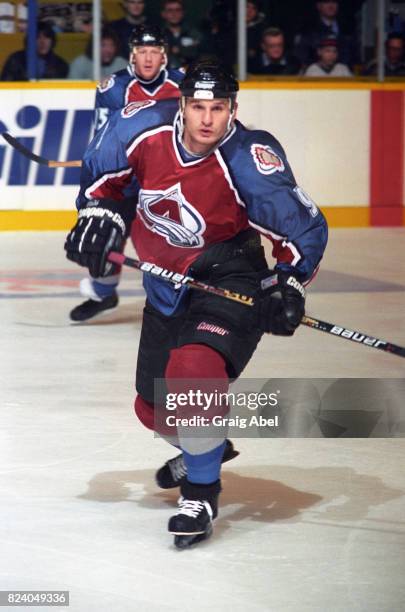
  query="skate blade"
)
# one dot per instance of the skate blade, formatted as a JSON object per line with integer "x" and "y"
{"x": 185, "y": 541}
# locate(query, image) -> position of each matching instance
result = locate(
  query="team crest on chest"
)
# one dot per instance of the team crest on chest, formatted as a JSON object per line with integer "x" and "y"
{"x": 170, "y": 215}
{"x": 133, "y": 107}
{"x": 266, "y": 160}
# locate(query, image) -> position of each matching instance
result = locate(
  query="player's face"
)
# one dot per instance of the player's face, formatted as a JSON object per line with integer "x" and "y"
{"x": 205, "y": 123}
{"x": 147, "y": 61}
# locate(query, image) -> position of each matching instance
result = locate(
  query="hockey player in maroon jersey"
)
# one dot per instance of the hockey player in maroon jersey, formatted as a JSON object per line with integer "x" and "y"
{"x": 145, "y": 78}
{"x": 208, "y": 188}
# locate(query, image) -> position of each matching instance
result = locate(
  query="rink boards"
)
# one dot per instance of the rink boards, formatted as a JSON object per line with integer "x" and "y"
{"x": 344, "y": 142}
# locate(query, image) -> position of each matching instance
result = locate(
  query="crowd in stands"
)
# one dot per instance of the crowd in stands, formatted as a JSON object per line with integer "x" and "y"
{"x": 284, "y": 37}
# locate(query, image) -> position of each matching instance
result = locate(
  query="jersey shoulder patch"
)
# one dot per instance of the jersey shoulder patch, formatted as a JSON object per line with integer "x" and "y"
{"x": 133, "y": 107}
{"x": 266, "y": 159}
{"x": 106, "y": 84}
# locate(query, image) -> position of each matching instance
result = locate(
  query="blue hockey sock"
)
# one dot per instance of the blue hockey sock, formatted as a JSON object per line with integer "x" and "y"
{"x": 204, "y": 468}
{"x": 104, "y": 290}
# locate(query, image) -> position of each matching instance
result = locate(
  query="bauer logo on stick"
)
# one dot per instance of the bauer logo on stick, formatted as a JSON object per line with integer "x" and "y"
{"x": 266, "y": 160}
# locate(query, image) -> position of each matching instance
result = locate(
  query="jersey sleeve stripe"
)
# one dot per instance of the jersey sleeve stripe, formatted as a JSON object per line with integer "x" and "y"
{"x": 295, "y": 254}
{"x": 98, "y": 184}
{"x": 228, "y": 177}
{"x": 131, "y": 146}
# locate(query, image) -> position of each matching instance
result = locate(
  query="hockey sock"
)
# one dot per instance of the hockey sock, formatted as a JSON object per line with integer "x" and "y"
{"x": 204, "y": 468}
{"x": 199, "y": 368}
{"x": 106, "y": 286}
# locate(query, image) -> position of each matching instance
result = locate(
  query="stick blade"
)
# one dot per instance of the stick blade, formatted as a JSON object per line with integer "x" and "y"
{"x": 76, "y": 163}
{"x": 22, "y": 149}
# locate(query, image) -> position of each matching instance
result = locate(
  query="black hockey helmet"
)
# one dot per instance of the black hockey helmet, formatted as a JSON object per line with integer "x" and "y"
{"x": 207, "y": 80}
{"x": 147, "y": 36}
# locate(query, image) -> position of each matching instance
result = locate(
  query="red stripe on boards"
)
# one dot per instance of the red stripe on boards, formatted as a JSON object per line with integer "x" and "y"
{"x": 386, "y": 158}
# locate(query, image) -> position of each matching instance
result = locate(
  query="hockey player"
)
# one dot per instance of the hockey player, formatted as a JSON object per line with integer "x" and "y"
{"x": 145, "y": 78}
{"x": 208, "y": 187}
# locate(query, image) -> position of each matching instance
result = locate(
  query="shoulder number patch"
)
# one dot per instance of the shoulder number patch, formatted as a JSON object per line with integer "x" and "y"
{"x": 106, "y": 84}
{"x": 266, "y": 160}
{"x": 133, "y": 107}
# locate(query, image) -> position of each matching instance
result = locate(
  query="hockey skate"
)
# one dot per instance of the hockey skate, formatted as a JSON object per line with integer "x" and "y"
{"x": 174, "y": 471}
{"x": 198, "y": 507}
{"x": 91, "y": 308}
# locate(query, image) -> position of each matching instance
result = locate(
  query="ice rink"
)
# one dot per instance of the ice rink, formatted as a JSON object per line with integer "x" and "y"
{"x": 305, "y": 525}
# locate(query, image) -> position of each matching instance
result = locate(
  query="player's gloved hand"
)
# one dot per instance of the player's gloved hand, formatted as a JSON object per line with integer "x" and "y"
{"x": 282, "y": 304}
{"x": 98, "y": 231}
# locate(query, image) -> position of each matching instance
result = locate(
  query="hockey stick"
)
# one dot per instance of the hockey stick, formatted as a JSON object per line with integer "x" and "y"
{"x": 354, "y": 336}
{"x": 329, "y": 328}
{"x": 178, "y": 279}
{"x": 37, "y": 158}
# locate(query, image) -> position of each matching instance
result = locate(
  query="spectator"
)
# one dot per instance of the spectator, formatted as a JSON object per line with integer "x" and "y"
{"x": 67, "y": 16}
{"x": 13, "y": 18}
{"x": 134, "y": 16}
{"x": 57, "y": 15}
{"x": 394, "y": 64}
{"x": 273, "y": 59}
{"x": 183, "y": 40}
{"x": 82, "y": 17}
{"x": 49, "y": 65}
{"x": 326, "y": 26}
{"x": 82, "y": 66}
{"x": 255, "y": 24}
{"x": 219, "y": 34}
{"x": 327, "y": 64}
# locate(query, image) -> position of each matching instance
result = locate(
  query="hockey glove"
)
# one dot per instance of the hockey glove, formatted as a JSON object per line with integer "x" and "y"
{"x": 282, "y": 304}
{"x": 98, "y": 231}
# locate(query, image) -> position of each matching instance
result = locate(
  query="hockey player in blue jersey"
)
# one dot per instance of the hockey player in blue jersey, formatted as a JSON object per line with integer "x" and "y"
{"x": 145, "y": 78}
{"x": 208, "y": 188}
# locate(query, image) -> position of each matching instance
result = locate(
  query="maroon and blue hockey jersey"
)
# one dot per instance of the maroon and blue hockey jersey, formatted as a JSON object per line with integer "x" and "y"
{"x": 186, "y": 203}
{"x": 123, "y": 87}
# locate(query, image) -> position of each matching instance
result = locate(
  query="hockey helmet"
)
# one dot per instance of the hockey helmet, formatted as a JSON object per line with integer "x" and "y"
{"x": 147, "y": 36}
{"x": 208, "y": 80}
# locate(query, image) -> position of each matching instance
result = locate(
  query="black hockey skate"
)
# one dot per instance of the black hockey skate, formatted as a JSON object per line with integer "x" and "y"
{"x": 91, "y": 308}
{"x": 198, "y": 506}
{"x": 174, "y": 471}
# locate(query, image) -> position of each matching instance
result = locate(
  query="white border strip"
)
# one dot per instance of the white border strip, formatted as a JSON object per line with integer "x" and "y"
{"x": 289, "y": 245}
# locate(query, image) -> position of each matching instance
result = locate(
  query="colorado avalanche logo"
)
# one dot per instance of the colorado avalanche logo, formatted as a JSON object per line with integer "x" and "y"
{"x": 133, "y": 107}
{"x": 266, "y": 160}
{"x": 168, "y": 214}
{"x": 106, "y": 83}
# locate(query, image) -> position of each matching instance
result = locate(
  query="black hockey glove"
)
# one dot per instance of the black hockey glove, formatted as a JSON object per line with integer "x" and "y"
{"x": 99, "y": 230}
{"x": 282, "y": 304}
